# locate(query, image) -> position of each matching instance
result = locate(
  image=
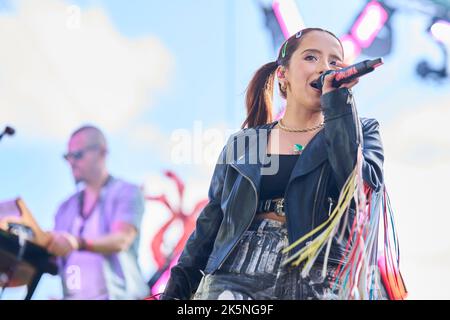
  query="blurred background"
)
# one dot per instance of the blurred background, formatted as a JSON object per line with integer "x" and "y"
{"x": 166, "y": 82}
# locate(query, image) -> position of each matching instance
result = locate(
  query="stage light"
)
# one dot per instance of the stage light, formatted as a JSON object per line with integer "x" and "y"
{"x": 351, "y": 49}
{"x": 369, "y": 23}
{"x": 288, "y": 16}
{"x": 440, "y": 30}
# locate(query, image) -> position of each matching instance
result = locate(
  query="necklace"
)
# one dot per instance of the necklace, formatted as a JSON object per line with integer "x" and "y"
{"x": 298, "y": 148}
{"x": 282, "y": 127}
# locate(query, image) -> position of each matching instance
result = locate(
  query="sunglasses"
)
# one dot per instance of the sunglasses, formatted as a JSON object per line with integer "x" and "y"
{"x": 78, "y": 155}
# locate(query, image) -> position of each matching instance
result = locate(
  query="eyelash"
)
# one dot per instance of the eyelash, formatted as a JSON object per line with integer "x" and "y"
{"x": 306, "y": 58}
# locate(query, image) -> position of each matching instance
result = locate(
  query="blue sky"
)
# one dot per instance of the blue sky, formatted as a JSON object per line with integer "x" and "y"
{"x": 215, "y": 46}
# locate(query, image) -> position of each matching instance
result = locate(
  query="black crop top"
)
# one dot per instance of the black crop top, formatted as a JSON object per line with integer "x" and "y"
{"x": 273, "y": 186}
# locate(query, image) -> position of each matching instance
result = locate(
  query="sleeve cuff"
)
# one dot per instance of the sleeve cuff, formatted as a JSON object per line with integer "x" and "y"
{"x": 337, "y": 103}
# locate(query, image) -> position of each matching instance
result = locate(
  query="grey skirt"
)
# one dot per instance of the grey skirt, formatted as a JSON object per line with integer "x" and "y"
{"x": 254, "y": 271}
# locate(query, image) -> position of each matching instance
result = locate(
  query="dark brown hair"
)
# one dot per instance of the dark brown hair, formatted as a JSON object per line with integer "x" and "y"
{"x": 259, "y": 96}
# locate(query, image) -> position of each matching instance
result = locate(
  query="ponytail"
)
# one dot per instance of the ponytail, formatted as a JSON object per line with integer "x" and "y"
{"x": 258, "y": 98}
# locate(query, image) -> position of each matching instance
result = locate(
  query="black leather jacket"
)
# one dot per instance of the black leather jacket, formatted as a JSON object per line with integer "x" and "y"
{"x": 314, "y": 186}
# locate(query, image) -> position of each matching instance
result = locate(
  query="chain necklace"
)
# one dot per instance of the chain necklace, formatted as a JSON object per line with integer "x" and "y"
{"x": 298, "y": 148}
{"x": 282, "y": 127}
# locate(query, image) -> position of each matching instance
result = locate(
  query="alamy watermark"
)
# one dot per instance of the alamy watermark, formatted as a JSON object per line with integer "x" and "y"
{"x": 73, "y": 277}
{"x": 202, "y": 146}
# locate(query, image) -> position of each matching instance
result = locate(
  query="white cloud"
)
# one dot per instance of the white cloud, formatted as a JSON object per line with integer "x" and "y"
{"x": 150, "y": 137}
{"x": 60, "y": 67}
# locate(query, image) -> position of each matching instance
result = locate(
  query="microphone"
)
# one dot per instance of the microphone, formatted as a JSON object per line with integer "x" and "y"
{"x": 7, "y": 131}
{"x": 349, "y": 73}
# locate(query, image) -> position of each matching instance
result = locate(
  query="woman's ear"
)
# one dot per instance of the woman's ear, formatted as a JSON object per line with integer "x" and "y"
{"x": 281, "y": 73}
{"x": 281, "y": 76}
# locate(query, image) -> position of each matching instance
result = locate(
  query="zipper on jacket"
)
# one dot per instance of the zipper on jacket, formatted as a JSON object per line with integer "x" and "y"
{"x": 248, "y": 226}
{"x": 330, "y": 201}
{"x": 285, "y": 208}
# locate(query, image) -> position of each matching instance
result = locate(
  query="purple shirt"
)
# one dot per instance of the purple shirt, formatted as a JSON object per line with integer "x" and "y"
{"x": 87, "y": 275}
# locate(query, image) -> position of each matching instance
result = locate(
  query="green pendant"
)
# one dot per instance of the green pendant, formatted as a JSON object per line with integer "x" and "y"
{"x": 298, "y": 148}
